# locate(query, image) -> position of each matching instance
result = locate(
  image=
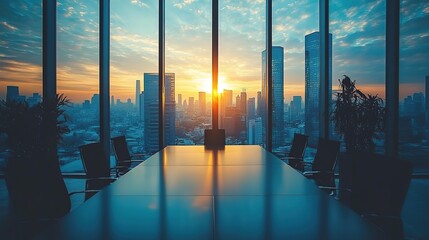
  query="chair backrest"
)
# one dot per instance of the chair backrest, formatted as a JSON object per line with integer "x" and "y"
{"x": 93, "y": 162}
{"x": 121, "y": 151}
{"x": 326, "y": 155}
{"x": 299, "y": 144}
{"x": 380, "y": 184}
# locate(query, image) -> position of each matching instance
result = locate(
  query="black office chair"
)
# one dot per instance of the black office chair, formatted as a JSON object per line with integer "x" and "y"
{"x": 323, "y": 166}
{"x": 295, "y": 157}
{"x": 97, "y": 169}
{"x": 379, "y": 188}
{"x": 122, "y": 154}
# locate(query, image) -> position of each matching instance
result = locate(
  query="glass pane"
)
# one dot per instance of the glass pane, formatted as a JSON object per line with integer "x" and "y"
{"x": 134, "y": 53}
{"x": 295, "y": 29}
{"x": 77, "y": 76}
{"x": 241, "y": 43}
{"x": 414, "y": 84}
{"x": 188, "y": 71}
{"x": 20, "y": 56}
{"x": 358, "y": 50}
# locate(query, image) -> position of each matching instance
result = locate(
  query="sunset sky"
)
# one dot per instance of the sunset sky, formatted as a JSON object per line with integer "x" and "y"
{"x": 358, "y": 29}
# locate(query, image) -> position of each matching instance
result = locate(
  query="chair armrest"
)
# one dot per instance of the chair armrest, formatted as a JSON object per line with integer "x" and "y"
{"x": 135, "y": 155}
{"x": 86, "y": 191}
{"x": 130, "y": 161}
{"x": 312, "y": 173}
{"x": 111, "y": 179}
{"x": 298, "y": 158}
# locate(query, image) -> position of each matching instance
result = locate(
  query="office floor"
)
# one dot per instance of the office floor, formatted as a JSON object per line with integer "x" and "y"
{"x": 415, "y": 213}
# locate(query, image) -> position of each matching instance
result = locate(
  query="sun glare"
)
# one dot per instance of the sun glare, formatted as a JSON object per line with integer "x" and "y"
{"x": 206, "y": 84}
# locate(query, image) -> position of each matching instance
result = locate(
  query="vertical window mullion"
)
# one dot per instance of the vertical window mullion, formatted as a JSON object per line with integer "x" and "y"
{"x": 324, "y": 68}
{"x": 104, "y": 77}
{"x": 392, "y": 77}
{"x": 269, "y": 89}
{"x": 161, "y": 71}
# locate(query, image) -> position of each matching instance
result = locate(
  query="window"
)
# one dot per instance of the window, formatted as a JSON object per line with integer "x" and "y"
{"x": 358, "y": 48}
{"x": 77, "y": 77}
{"x": 133, "y": 55}
{"x": 241, "y": 43}
{"x": 20, "y": 56}
{"x": 414, "y": 84}
{"x": 296, "y": 40}
{"x": 188, "y": 71}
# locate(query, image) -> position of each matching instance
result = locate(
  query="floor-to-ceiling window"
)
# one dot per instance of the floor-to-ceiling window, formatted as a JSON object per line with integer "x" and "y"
{"x": 414, "y": 84}
{"x": 241, "y": 45}
{"x": 20, "y": 56}
{"x": 188, "y": 73}
{"x": 296, "y": 41}
{"x": 133, "y": 60}
{"x": 358, "y": 44}
{"x": 77, "y": 76}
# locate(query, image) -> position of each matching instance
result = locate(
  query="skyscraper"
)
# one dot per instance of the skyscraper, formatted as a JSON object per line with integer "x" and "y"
{"x": 141, "y": 109}
{"x": 202, "y": 103}
{"x": 227, "y": 96}
{"x": 251, "y": 110}
{"x": 137, "y": 94}
{"x": 12, "y": 93}
{"x": 312, "y": 84}
{"x": 295, "y": 108}
{"x": 151, "y": 101}
{"x": 258, "y": 104}
{"x": 179, "y": 100}
{"x": 243, "y": 102}
{"x": 277, "y": 95}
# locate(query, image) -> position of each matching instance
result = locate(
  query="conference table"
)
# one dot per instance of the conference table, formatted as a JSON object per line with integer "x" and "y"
{"x": 189, "y": 192}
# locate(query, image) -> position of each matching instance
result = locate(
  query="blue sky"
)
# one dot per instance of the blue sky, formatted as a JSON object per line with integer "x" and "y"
{"x": 358, "y": 29}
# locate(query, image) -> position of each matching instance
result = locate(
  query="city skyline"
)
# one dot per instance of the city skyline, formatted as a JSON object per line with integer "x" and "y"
{"x": 358, "y": 45}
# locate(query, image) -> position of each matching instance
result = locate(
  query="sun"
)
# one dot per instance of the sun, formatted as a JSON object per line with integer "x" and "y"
{"x": 206, "y": 84}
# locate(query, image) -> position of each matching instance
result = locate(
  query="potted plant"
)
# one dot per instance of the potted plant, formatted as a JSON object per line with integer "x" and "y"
{"x": 32, "y": 136}
{"x": 359, "y": 118}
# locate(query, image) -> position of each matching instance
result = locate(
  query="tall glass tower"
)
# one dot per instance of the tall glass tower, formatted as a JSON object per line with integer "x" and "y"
{"x": 151, "y": 101}
{"x": 312, "y": 84}
{"x": 278, "y": 95}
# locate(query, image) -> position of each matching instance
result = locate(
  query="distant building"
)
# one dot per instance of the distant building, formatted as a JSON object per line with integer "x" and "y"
{"x": 419, "y": 103}
{"x": 202, "y": 103}
{"x": 95, "y": 104}
{"x": 179, "y": 100}
{"x": 312, "y": 85}
{"x": 137, "y": 95}
{"x": 86, "y": 105}
{"x": 258, "y": 104}
{"x": 277, "y": 95}
{"x": 191, "y": 105}
{"x": 151, "y": 111}
{"x": 12, "y": 93}
{"x": 251, "y": 108}
{"x": 227, "y": 96}
{"x": 295, "y": 108}
{"x": 243, "y": 102}
{"x": 254, "y": 132}
{"x": 112, "y": 100}
{"x": 141, "y": 109}
{"x": 34, "y": 99}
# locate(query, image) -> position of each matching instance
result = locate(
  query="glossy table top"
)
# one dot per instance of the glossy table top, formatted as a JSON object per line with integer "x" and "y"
{"x": 188, "y": 192}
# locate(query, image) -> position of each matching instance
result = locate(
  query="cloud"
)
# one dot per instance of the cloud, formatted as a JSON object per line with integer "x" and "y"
{"x": 139, "y": 3}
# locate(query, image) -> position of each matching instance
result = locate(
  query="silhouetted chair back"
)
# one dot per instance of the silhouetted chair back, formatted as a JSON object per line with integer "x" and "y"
{"x": 96, "y": 168}
{"x": 93, "y": 162}
{"x": 380, "y": 184}
{"x": 122, "y": 154}
{"x": 379, "y": 189}
{"x": 324, "y": 162}
{"x": 296, "y": 154}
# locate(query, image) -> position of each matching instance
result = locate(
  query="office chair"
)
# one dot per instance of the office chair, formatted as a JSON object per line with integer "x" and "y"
{"x": 323, "y": 165}
{"x": 295, "y": 157}
{"x": 122, "y": 155}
